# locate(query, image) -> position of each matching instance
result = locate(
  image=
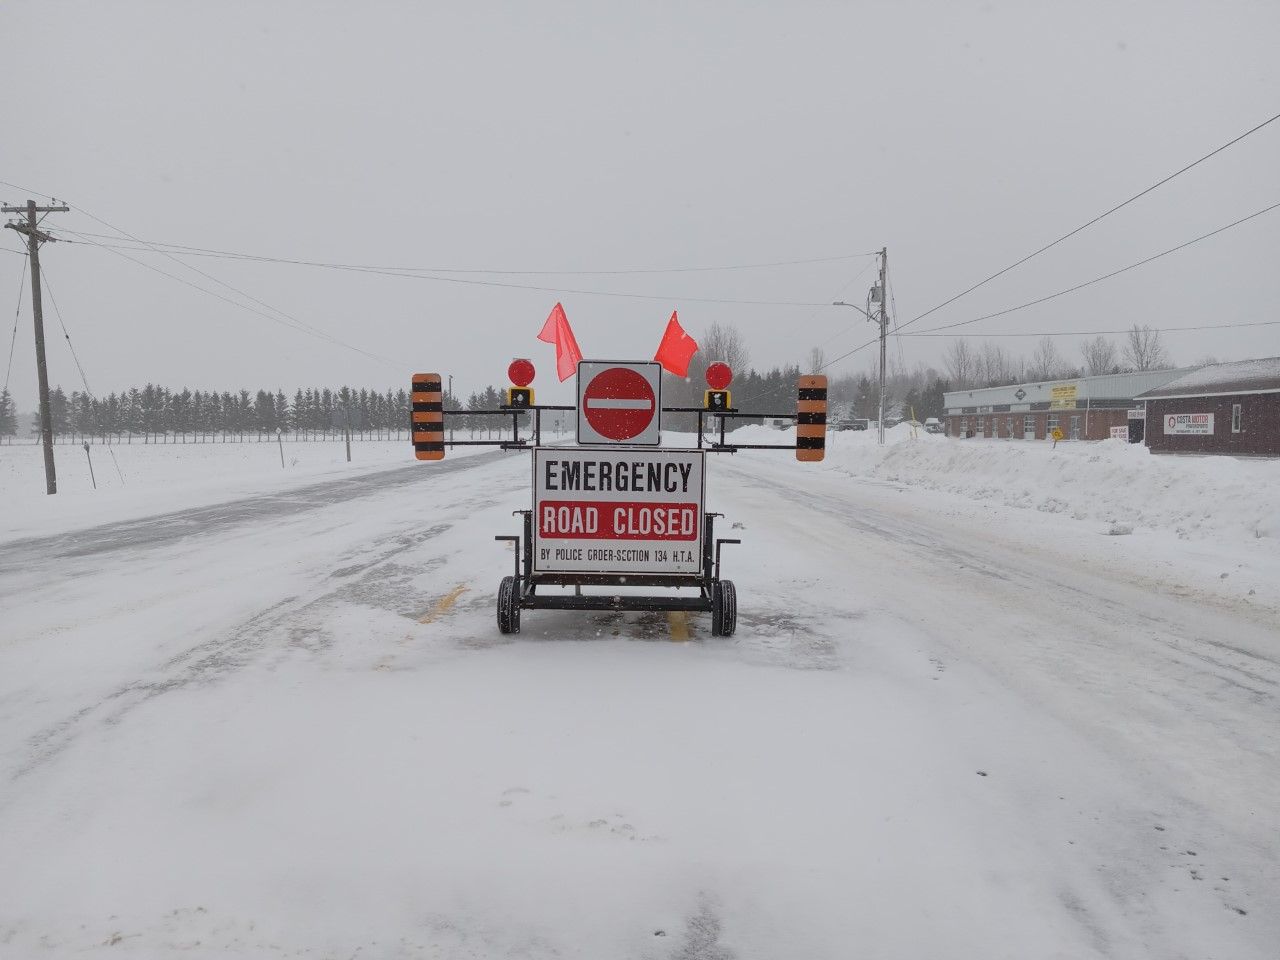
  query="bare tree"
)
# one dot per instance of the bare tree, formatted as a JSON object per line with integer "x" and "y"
{"x": 961, "y": 364}
{"x": 816, "y": 360}
{"x": 994, "y": 366}
{"x": 1145, "y": 350}
{"x": 1099, "y": 356}
{"x": 1046, "y": 362}
{"x": 723, "y": 342}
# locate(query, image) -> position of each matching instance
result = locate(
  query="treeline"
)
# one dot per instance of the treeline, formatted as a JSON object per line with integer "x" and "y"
{"x": 915, "y": 392}
{"x": 989, "y": 364}
{"x": 161, "y": 414}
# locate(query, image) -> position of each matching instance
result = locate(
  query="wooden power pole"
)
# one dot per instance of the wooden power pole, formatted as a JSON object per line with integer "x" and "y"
{"x": 34, "y": 238}
{"x": 884, "y": 329}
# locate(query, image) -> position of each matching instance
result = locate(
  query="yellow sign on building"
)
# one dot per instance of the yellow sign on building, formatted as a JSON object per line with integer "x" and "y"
{"x": 1063, "y": 396}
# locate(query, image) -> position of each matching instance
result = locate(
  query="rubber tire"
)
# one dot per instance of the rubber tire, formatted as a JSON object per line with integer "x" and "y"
{"x": 724, "y": 609}
{"x": 508, "y": 606}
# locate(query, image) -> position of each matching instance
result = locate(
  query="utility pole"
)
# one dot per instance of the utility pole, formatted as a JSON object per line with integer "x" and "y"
{"x": 884, "y": 329}
{"x": 34, "y": 238}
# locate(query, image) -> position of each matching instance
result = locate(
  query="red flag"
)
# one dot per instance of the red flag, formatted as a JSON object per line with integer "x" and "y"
{"x": 676, "y": 349}
{"x": 557, "y": 330}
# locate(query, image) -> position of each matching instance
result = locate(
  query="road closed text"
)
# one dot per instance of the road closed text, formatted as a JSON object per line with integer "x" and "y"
{"x": 618, "y": 510}
{"x": 583, "y": 520}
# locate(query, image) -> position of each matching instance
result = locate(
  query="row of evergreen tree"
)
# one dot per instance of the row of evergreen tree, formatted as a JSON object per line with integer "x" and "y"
{"x": 155, "y": 414}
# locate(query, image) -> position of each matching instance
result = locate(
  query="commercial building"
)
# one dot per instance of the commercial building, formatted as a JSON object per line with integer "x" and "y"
{"x": 1083, "y": 408}
{"x": 1231, "y": 408}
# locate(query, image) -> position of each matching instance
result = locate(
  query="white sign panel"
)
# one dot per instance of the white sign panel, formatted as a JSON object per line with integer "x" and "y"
{"x": 619, "y": 402}
{"x": 1200, "y": 424}
{"x": 617, "y": 511}
{"x": 1119, "y": 433}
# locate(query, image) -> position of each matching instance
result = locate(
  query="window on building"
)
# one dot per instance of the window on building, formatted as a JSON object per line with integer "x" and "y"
{"x": 1008, "y": 426}
{"x": 1075, "y": 428}
{"x": 1028, "y": 426}
{"x": 1236, "y": 418}
{"x": 1053, "y": 423}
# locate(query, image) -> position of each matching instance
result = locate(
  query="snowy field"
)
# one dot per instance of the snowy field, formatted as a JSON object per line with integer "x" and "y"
{"x": 965, "y": 714}
{"x": 139, "y": 479}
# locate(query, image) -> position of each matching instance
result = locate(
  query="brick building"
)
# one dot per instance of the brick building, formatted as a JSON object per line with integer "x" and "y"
{"x": 1083, "y": 408}
{"x": 1231, "y": 408}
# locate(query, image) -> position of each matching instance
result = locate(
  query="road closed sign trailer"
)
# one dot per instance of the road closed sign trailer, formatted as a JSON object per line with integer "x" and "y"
{"x": 617, "y": 514}
{"x": 619, "y": 511}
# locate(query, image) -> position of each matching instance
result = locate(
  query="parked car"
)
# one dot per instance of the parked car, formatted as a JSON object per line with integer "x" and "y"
{"x": 933, "y": 425}
{"x": 849, "y": 425}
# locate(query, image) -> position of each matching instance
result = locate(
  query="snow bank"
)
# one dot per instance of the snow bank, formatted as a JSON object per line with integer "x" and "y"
{"x": 1112, "y": 482}
{"x": 137, "y": 479}
{"x": 1118, "y": 484}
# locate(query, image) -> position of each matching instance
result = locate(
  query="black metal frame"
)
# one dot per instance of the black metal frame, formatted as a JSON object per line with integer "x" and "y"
{"x": 527, "y": 582}
{"x": 720, "y": 446}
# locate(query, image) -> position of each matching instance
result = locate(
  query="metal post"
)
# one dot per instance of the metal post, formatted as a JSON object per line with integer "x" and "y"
{"x": 451, "y": 400}
{"x": 280, "y": 442}
{"x": 92, "y": 479}
{"x": 346, "y": 410}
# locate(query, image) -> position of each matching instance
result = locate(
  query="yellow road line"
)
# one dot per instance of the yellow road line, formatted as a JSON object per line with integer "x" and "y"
{"x": 444, "y": 604}
{"x": 678, "y": 621}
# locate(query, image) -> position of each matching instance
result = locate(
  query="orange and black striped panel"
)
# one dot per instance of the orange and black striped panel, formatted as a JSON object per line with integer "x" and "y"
{"x": 811, "y": 418}
{"x": 427, "y": 405}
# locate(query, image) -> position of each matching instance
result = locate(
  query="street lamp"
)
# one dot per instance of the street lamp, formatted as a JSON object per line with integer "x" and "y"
{"x": 884, "y": 324}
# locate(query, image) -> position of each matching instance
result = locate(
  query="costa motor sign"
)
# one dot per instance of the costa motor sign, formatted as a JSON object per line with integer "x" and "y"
{"x": 619, "y": 402}
{"x": 1188, "y": 423}
{"x": 617, "y": 511}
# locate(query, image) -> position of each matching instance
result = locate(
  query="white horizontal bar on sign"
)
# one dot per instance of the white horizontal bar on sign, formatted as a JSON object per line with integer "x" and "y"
{"x": 603, "y": 403}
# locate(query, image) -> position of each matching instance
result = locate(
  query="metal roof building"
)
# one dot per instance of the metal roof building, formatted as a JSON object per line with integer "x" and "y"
{"x": 1083, "y": 408}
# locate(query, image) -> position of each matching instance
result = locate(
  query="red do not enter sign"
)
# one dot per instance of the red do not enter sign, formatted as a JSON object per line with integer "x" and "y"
{"x": 619, "y": 403}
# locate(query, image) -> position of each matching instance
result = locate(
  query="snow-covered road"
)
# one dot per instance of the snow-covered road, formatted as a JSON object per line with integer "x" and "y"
{"x": 288, "y": 726}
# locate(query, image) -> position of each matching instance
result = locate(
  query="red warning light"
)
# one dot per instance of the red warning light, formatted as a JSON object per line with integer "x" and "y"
{"x": 719, "y": 375}
{"x": 521, "y": 372}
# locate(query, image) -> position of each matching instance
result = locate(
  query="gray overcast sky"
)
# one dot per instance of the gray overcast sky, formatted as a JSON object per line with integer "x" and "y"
{"x": 581, "y": 136}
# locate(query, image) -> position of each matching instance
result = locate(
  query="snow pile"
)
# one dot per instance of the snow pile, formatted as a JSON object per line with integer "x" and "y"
{"x": 1113, "y": 482}
{"x": 1117, "y": 484}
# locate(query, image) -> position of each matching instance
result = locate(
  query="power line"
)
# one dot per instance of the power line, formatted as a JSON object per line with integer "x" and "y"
{"x": 187, "y": 250}
{"x": 44, "y": 278}
{"x": 300, "y": 323}
{"x": 1106, "y": 276}
{"x": 840, "y": 296}
{"x": 22, "y": 279}
{"x": 1099, "y": 217}
{"x": 667, "y": 297}
{"x": 235, "y": 303}
{"x": 1090, "y": 333}
{"x": 1072, "y": 289}
{"x": 292, "y": 322}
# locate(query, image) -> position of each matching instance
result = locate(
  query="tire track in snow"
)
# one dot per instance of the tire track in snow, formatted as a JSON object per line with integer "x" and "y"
{"x": 369, "y": 575}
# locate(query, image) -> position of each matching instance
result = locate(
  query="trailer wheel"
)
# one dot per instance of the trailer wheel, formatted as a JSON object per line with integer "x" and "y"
{"x": 724, "y": 609}
{"x": 508, "y": 606}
